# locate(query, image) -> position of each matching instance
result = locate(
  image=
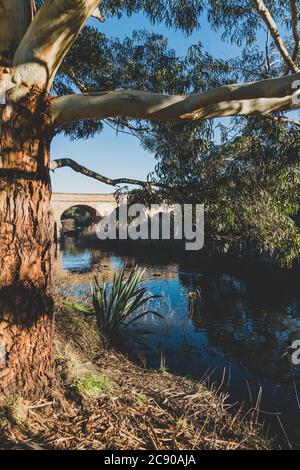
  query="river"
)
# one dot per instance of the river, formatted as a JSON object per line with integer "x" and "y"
{"x": 236, "y": 334}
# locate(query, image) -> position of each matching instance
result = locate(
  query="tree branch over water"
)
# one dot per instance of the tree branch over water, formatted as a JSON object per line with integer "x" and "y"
{"x": 68, "y": 162}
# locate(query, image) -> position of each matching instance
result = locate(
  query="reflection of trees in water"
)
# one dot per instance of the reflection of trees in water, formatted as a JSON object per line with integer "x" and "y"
{"x": 143, "y": 255}
{"x": 253, "y": 320}
{"x": 71, "y": 247}
{"x": 72, "y": 250}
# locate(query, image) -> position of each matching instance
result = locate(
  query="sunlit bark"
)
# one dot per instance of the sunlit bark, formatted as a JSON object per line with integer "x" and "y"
{"x": 26, "y": 235}
{"x": 96, "y": 14}
{"x": 49, "y": 37}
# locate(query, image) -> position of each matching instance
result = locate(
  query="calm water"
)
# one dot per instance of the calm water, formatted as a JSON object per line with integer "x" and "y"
{"x": 238, "y": 332}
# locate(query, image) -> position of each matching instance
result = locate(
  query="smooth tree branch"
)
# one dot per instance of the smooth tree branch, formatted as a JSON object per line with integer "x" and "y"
{"x": 263, "y": 97}
{"x": 68, "y": 162}
{"x": 96, "y": 14}
{"x": 67, "y": 70}
{"x": 296, "y": 35}
{"x": 268, "y": 64}
{"x": 271, "y": 25}
{"x": 48, "y": 39}
{"x": 112, "y": 123}
{"x": 285, "y": 120}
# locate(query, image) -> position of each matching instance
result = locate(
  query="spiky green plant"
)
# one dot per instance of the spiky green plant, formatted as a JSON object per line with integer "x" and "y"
{"x": 118, "y": 306}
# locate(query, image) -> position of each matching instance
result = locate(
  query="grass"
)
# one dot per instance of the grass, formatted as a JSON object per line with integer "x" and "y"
{"x": 14, "y": 411}
{"x": 92, "y": 385}
{"x": 142, "y": 398}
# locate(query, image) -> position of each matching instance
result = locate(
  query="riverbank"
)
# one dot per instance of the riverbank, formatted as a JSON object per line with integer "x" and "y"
{"x": 101, "y": 400}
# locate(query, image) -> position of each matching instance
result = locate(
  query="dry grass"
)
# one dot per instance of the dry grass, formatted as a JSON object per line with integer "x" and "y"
{"x": 129, "y": 407}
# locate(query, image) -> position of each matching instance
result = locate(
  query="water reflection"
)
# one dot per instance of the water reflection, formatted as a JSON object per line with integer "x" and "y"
{"x": 243, "y": 320}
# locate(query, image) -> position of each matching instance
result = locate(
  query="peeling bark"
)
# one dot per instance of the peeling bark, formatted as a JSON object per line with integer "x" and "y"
{"x": 26, "y": 235}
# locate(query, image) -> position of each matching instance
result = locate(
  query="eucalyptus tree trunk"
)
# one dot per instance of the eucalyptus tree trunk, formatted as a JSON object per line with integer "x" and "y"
{"x": 31, "y": 50}
{"x": 26, "y": 233}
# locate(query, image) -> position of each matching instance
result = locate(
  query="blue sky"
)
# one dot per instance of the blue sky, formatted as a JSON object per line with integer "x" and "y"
{"x": 121, "y": 156}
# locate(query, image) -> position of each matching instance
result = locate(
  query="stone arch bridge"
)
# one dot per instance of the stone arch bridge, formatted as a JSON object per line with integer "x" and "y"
{"x": 98, "y": 205}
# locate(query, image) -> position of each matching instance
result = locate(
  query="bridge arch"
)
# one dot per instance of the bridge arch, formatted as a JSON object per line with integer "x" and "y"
{"x": 98, "y": 205}
{"x": 94, "y": 213}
